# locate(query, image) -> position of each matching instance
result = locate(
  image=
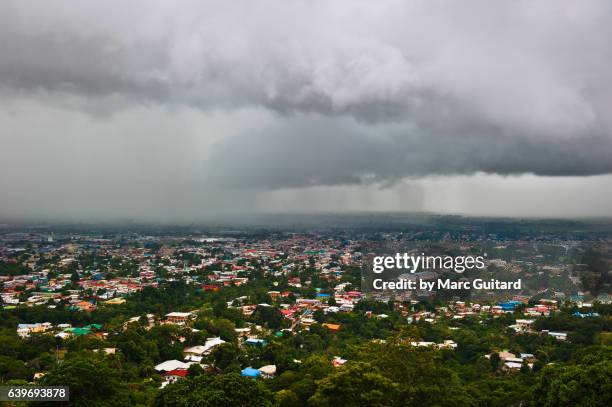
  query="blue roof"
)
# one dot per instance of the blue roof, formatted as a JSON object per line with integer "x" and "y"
{"x": 509, "y": 304}
{"x": 250, "y": 372}
{"x": 255, "y": 341}
{"x": 588, "y": 314}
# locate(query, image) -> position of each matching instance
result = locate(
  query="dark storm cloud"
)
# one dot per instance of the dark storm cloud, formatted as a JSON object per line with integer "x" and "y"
{"x": 359, "y": 91}
{"x": 312, "y": 150}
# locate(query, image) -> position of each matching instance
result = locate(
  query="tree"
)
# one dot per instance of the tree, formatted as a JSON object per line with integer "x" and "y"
{"x": 287, "y": 398}
{"x": 195, "y": 370}
{"x": 269, "y": 316}
{"x": 495, "y": 361}
{"x": 595, "y": 276}
{"x": 424, "y": 376}
{"x": 74, "y": 277}
{"x": 574, "y": 385}
{"x": 13, "y": 369}
{"x": 221, "y": 327}
{"x": 225, "y": 354}
{"x": 229, "y": 390}
{"x": 357, "y": 384}
{"x": 92, "y": 382}
{"x": 525, "y": 367}
{"x": 13, "y": 269}
{"x": 317, "y": 366}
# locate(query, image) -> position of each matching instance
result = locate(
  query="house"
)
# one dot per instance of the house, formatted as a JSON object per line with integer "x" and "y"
{"x": 107, "y": 351}
{"x": 513, "y": 366}
{"x": 448, "y": 344}
{"x": 551, "y": 304}
{"x": 422, "y": 344}
{"x": 255, "y": 342}
{"x": 268, "y": 371}
{"x": 242, "y": 331}
{"x": 150, "y": 318}
{"x": 508, "y": 306}
{"x": 250, "y": 372}
{"x": 514, "y": 360}
{"x": 38, "y": 376}
{"x": 332, "y": 327}
{"x": 84, "y": 306}
{"x": 561, "y": 336}
{"x": 346, "y": 307}
{"x": 78, "y": 331}
{"x": 505, "y": 355}
{"x": 176, "y": 374}
{"x": 197, "y": 350}
{"x": 586, "y": 315}
{"x": 529, "y": 357}
{"x": 525, "y": 324}
{"x": 24, "y": 330}
{"x": 178, "y": 318}
{"x": 205, "y": 349}
{"x": 337, "y": 361}
{"x": 170, "y": 365}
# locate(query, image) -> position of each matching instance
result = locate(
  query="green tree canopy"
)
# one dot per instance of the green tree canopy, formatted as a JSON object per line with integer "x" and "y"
{"x": 229, "y": 390}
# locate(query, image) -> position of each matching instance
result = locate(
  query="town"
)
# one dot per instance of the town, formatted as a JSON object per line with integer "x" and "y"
{"x": 174, "y": 306}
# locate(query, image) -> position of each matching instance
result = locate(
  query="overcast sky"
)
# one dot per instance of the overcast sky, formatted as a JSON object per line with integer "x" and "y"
{"x": 164, "y": 110}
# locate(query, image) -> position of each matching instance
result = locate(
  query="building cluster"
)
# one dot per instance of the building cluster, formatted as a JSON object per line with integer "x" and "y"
{"x": 84, "y": 273}
{"x": 88, "y": 271}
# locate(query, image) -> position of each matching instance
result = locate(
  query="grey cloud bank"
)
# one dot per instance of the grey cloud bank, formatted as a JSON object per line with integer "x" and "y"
{"x": 154, "y": 108}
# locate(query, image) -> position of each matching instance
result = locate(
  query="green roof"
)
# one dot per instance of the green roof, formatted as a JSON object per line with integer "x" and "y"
{"x": 78, "y": 331}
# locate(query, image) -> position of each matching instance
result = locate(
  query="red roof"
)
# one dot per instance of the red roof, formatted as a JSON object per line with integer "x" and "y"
{"x": 287, "y": 312}
{"x": 177, "y": 372}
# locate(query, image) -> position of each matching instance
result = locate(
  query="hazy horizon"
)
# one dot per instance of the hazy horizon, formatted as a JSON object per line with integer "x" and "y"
{"x": 305, "y": 219}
